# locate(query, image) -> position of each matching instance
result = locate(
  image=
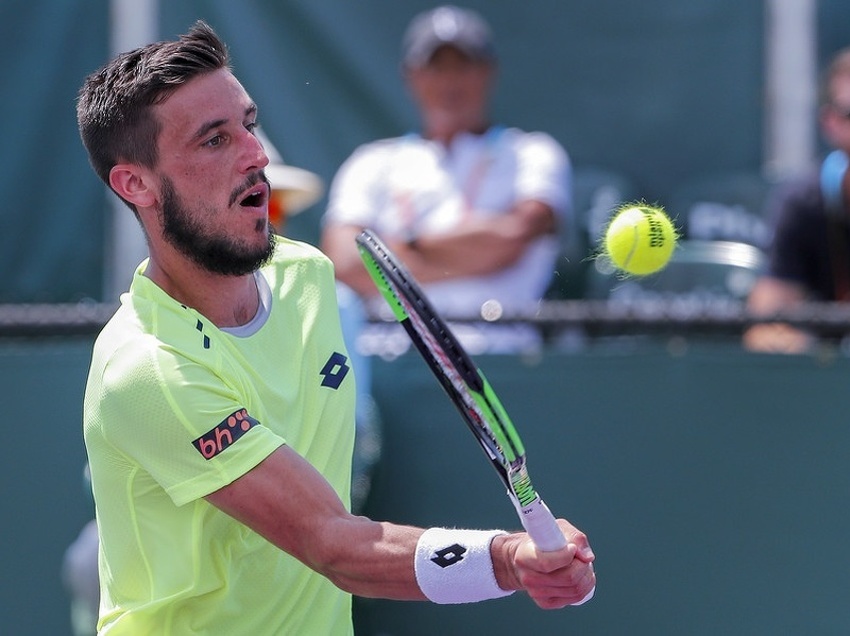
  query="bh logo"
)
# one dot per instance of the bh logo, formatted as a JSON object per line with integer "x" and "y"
{"x": 226, "y": 433}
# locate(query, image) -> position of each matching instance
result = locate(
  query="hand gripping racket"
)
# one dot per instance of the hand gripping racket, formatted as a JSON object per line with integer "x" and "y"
{"x": 466, "y": 386}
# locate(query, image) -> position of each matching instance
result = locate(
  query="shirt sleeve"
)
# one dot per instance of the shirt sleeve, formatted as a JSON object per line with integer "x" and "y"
{"x": 180, "y": 422}
{"x": 355, "y": 193}
{"x": 544, "y": 172}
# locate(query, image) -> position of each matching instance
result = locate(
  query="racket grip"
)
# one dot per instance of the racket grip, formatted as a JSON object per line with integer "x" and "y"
{"x": 541, "y": 526}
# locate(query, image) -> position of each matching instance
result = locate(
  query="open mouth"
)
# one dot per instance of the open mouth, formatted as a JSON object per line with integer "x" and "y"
{"x": 256, "y": 197}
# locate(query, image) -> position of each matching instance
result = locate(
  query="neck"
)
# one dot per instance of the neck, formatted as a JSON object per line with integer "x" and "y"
{"x": 227, "y": 301}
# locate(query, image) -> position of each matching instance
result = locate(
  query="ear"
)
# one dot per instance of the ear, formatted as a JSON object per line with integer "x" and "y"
{"x": 132, "y": 184}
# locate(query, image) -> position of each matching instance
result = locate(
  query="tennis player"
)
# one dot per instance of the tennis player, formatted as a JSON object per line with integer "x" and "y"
{"x": 219, "y": 408}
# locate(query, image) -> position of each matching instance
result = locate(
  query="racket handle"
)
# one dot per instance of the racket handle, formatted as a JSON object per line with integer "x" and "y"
{"x": 541, "y": 526}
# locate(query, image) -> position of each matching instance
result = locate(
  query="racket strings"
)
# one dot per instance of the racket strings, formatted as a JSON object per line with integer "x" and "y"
{"x": 428, "y": 331}
{"x": 458, "y": 375}
{"x": 464, "y": 384}
{"x": 457, "y": 380}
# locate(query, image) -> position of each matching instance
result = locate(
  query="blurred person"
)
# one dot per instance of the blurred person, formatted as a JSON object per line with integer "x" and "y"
{"x": 79, "y": 574}
{"x": 219, "y": 406}
{"x": 473, "y": 208}
{"x": 809, "y": 253}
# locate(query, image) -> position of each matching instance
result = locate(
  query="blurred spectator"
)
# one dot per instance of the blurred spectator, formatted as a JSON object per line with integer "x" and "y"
{"x": 79, "y": 574}
{"x": 810, "y": 243}
{"x": 472, "y": 208}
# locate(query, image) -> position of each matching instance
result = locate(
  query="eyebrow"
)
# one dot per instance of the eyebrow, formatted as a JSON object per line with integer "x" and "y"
{"x": 212, "y": 125}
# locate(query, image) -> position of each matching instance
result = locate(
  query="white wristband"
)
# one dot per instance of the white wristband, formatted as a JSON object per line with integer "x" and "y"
{"x": 454, "y": 566}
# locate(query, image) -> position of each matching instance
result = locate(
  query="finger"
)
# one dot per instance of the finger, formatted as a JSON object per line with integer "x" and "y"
{"x": 533, "y": 560}
{"x": 586, "y": 598}
{"x": 575, "y": 536}
{"x": 592, "y": 582}
{"x": 570, "y": 586}
{"x": 558, "y": 601}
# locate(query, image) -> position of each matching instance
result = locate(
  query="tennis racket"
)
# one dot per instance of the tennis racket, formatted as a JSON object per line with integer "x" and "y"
{"x": 466, "y": 386}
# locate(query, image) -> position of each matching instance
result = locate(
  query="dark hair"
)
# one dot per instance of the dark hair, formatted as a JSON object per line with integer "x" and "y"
{"x": 114, "y": 111}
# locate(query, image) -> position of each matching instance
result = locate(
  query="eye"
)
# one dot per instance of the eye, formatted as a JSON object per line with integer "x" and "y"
{"x": 212, "y": 142}
{"x": 252, "y": 127}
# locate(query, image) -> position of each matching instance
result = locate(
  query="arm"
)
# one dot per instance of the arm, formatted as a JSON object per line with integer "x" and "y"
{"x": 768, "y": 296}
{"x": 289, "y": 503}
{"x": 338, "y": 243}
{"x": 484, "y": 244}
{"x": 476, "y": 247}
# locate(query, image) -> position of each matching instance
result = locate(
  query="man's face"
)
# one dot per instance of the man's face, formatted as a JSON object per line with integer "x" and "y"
{"x": 215, "y": 251}
{"x": 452, "y": 89}
{"x": 213, "y": 197}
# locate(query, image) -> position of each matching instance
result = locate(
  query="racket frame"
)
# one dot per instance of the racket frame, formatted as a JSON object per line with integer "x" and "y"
{"x": 465, "y": 384}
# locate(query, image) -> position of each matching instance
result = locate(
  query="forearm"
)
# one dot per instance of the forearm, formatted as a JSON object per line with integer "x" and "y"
{"x": 385, "y": 560}
{"x": 371, "y": 559}
{"x": 476, "y": 247}
{"x": 483, "y": 244}
{"x": 286, "y": 501}
{"x": 474, "y": 250}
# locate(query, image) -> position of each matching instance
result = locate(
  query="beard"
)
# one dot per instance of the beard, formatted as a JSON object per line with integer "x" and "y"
{"x": 218, "y": 254}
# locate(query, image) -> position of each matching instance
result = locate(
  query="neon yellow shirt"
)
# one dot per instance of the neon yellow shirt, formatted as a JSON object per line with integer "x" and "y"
{"x": 174, "y": 410}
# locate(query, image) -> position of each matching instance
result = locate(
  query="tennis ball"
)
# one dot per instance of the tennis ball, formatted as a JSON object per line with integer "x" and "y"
{"x": 640, "y": 239}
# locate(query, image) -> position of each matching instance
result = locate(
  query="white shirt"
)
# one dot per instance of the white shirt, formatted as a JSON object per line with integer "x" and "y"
{"x": 409, "y": 185}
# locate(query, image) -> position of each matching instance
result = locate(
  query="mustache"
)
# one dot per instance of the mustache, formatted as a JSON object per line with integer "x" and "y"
{"x": 253, "y": 179}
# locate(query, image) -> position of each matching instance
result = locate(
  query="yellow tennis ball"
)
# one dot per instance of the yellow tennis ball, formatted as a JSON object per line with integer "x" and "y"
{"x": 640, "y": 239}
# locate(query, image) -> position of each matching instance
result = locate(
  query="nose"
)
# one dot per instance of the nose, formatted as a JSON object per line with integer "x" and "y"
{"x": 255, "y": 155}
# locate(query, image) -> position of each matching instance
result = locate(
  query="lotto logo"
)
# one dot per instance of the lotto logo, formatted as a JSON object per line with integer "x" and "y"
{"x": 226, "y": 433}
{"x": 449, "y": 556}
{"x": 334, "y": 371}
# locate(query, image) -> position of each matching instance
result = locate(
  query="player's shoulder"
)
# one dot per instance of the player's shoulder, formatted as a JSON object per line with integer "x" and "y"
{"x": 291, "y": 256}
{"x": 142, "y": 336}
{"x": 288, "y": 251}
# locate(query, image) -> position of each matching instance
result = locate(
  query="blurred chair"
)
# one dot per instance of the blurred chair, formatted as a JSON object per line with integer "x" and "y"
{"x": 596, "y": 193}
{"x": 701, "y": 275}
{"x": 723, "y": 207}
